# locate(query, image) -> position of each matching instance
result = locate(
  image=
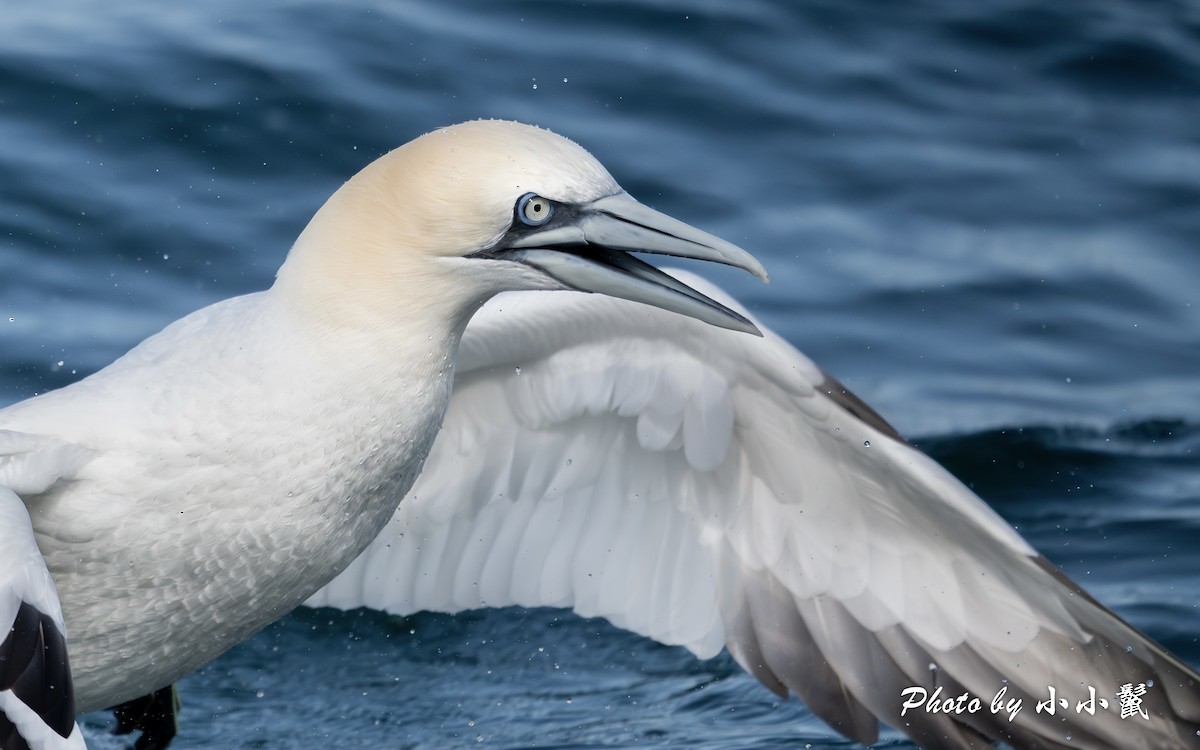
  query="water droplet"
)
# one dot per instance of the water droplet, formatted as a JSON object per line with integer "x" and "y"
{"x": 564, "y": 80}
{"x": 1129, "y": 649}
{"x": 517, "y": 370}
{"x": 535, "y": 87}
{"x": 259, "y": 694}
{"x": 866, "y": 443}
{"x": 1149, "y": 683}
{"x": 569, "y": 462}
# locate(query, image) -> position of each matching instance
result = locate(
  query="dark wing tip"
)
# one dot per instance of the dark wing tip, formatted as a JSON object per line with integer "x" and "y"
{"x": 34, "y": 666}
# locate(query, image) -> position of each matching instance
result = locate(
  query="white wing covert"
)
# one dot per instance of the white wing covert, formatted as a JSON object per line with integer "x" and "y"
{"x": 708, "y": 489}
{"x": 37, "y": 704}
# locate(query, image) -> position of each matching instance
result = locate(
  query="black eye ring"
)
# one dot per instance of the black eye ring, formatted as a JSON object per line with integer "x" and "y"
{"x": 534, "y": 210}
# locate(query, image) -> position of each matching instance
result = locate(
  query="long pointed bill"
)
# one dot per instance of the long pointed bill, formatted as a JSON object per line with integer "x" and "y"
{"x": 587, "y": 249}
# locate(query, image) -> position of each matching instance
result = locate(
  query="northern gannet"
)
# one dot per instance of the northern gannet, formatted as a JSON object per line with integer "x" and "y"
{"x": 700, "y": 486}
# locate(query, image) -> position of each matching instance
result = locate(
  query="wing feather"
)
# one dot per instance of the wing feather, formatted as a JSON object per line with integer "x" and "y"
{"x": 37, "y": 703}
{"x": 709, "y": 489}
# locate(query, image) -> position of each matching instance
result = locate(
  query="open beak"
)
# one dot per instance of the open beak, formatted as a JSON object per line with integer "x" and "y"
{"x": 586, "y": 247}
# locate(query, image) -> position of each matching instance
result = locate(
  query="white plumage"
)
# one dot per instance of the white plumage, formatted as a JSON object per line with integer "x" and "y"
{"x": 709, "y": 489}
{"x": 700, "y": 486}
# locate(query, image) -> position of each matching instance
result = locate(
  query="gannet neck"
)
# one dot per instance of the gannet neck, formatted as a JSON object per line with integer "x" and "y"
{"x": 356, "y": 270}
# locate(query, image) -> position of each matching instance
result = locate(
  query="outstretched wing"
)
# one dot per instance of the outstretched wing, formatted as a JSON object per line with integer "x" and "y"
{"x": 711, "y": 489}
{"x": 37, "y": 704}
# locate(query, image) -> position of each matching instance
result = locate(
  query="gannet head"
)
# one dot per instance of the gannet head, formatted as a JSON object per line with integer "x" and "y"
{"x": 441, "y": 224}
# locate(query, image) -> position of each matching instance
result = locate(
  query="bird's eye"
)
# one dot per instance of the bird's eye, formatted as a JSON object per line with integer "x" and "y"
{"x": 534, "y": 210}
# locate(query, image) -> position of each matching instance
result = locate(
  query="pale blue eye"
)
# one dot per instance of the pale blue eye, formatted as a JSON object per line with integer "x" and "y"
{"x": 534, "y": 210}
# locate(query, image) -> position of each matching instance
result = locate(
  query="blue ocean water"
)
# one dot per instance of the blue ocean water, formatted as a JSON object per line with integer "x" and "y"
{"x": 983, "y": 217}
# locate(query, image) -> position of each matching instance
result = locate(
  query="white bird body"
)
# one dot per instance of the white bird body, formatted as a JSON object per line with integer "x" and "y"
{"x": 215, "y": 499}
{"x": 215, "y": 476}
{"x": 696, "y": 485}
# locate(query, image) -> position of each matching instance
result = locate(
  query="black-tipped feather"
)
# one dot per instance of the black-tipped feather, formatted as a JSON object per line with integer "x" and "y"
{"x": 34, "y": 666}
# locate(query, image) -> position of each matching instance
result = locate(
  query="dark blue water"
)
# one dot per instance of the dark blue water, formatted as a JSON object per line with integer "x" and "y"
{"x": 984, "y": 217}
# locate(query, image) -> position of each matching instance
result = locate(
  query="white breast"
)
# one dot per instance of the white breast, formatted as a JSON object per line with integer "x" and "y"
{"x": 231, "y": 476}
